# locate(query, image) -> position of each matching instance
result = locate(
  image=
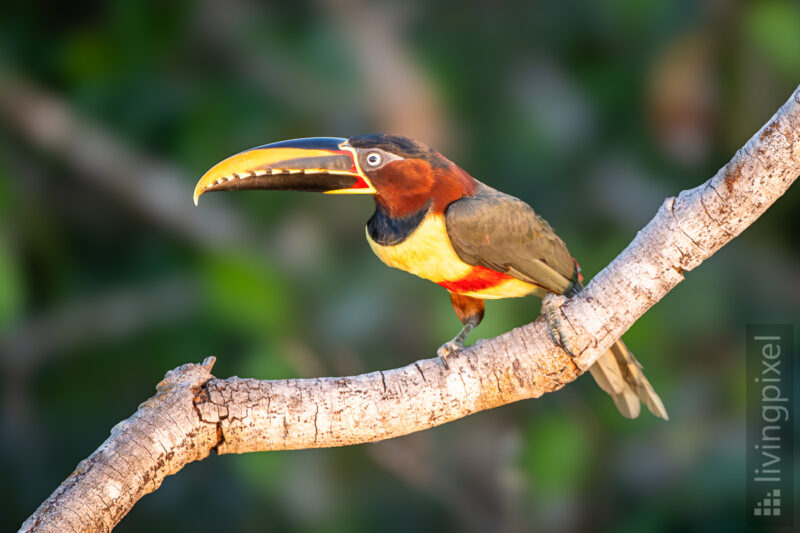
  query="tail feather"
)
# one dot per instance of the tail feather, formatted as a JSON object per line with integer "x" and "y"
{"x": 619, "y": 374}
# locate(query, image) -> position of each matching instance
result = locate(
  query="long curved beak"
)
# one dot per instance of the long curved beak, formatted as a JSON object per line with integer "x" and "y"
{"x": 321, "y": 164}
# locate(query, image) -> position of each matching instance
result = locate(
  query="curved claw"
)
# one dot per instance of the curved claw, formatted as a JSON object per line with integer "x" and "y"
{"x": 550, "y": 309}
{"x": 448, "y": 349}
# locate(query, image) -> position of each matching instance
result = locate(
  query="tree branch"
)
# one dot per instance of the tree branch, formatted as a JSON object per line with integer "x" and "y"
{"x": 194, "y": 413}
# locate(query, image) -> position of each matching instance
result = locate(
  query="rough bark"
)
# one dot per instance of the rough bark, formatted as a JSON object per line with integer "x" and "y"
{"x": 158, "y": 440}
{"x": 194, "y": 413}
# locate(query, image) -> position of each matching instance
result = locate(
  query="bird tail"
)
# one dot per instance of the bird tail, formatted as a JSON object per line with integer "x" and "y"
{"x": 619, "y": 374}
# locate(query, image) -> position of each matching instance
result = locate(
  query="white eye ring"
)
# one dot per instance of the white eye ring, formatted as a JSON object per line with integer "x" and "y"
{"x": 374, "y": 159}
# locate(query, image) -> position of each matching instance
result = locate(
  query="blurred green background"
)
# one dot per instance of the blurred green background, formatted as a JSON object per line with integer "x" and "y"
{"x": 593, "y": 112}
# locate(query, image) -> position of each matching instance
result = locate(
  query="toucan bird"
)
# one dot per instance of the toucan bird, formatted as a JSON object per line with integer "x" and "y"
{"x": 434, "y": 220}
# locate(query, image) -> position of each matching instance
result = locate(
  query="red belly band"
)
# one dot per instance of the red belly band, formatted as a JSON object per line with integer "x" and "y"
{"x": 478, "y": 279}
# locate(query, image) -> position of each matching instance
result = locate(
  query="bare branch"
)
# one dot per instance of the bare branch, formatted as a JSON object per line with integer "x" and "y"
{"x": 194, "y": 413}
{"x": 158, "y": 440}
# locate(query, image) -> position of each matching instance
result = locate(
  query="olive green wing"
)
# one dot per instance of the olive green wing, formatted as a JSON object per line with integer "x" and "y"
{"x": 497, "y": 231}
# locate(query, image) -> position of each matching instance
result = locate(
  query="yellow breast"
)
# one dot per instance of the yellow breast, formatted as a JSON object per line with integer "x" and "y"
{"x": 426, "y": 253}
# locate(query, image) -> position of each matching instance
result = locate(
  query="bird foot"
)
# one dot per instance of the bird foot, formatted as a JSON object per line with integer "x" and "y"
{"x": 448, "y": 349}
{"x": 551, "y": 310}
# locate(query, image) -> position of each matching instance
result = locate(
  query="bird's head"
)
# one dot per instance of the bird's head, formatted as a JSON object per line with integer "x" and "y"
{"x": 403, "y": 174}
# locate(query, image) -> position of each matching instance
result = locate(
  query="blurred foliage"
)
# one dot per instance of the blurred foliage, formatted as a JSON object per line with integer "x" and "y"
{"x": 560, "y": 473}
{"x": 774, "y": 28}
{"x": 10, "y": 286}
{"x": 593, "y": 112}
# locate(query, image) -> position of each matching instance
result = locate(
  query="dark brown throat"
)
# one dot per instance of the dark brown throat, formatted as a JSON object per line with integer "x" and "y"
{"x": 387, "y": 230}
{"x": 402, "y": 206}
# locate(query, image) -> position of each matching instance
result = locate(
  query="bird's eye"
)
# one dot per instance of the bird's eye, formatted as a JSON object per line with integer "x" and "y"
{"x": 374, "y": 159}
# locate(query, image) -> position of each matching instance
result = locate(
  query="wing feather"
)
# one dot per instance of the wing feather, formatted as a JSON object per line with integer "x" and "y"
{"x": 498, "y": 231}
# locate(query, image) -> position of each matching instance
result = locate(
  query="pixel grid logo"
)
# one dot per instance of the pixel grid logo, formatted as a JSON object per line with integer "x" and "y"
{"x": 770, "y": 505}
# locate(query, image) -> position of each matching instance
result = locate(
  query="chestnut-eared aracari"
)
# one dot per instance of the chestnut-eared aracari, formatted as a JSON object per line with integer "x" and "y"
{"x": 434, "y": 220}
